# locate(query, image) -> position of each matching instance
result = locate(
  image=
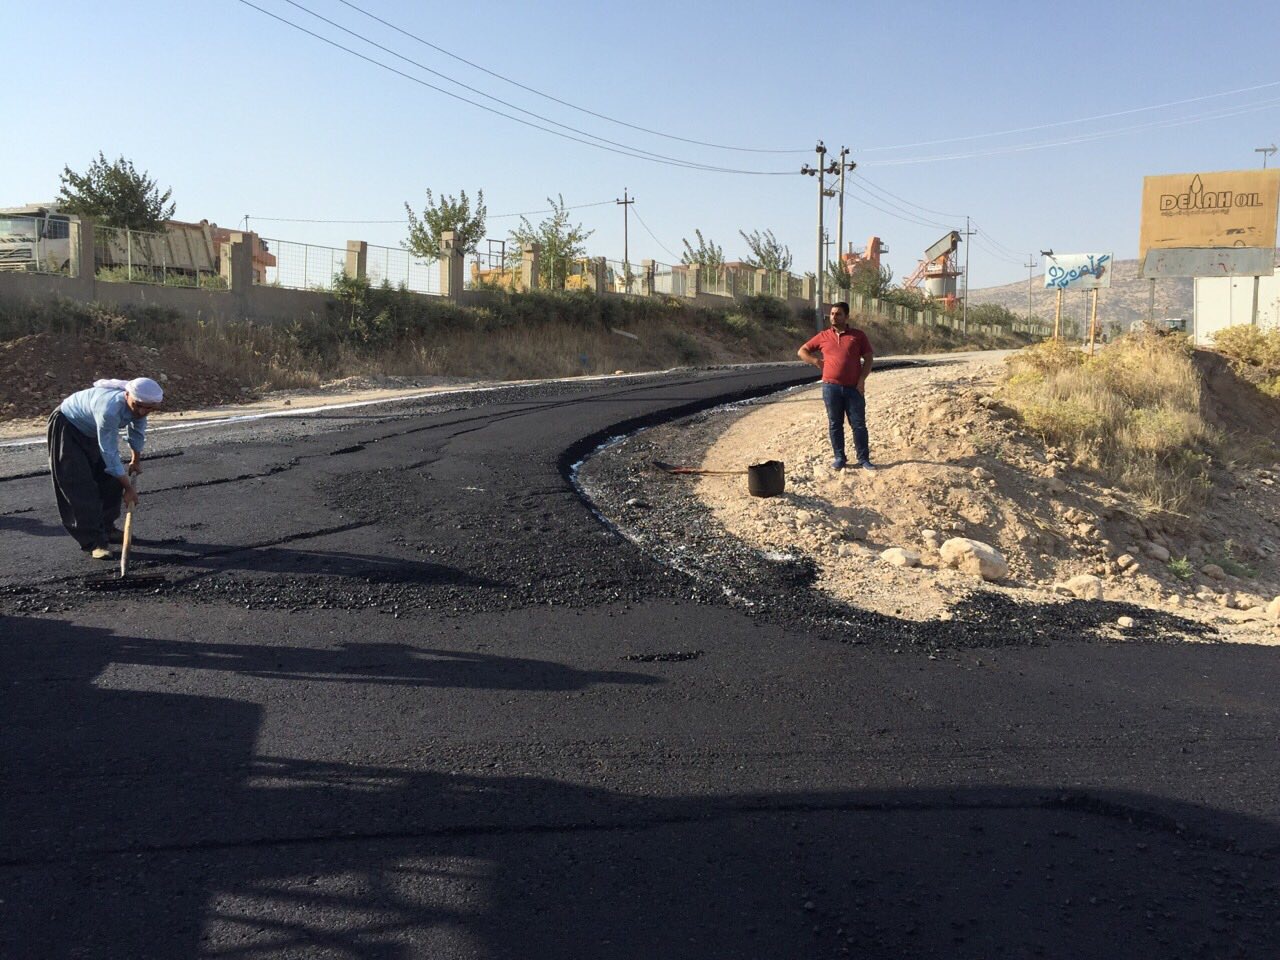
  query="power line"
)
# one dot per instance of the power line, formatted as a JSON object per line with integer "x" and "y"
{"x": 494, "y": 216}
{"x": 554, "y": 99}
{"x": 907, "y": 218}
{"x": 669, "y": 251}
{"x": 882, "y": 190}
{"x": 478, "y": 92}
{"x": 635, "y": 153}
{"x": 1063, "y": 123}
{"x": 1086, "y": 138}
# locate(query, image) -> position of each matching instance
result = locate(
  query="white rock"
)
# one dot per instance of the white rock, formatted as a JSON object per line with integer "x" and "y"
{"x": 1175, "y": 601}
{"x": 1126, "y": 560}
{"x": 975, "y": 558}
{"x": 1054, "y": 485}
{"x": 901, "y": 557}
{"x": 803, "y": 517}
{"x": 1156, "y": 552}
{"x": 1085, "y": 587}
{"x": 1273, "y": 609}
{"x": 979, "y": 473}
{"x": 946, "y": 615}
{"x": 1125, "y": 623}
{"x": 846, "y": 550}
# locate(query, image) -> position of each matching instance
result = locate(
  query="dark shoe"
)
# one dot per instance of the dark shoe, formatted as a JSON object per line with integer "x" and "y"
{"x": 866, "y": 465}
{"x": 838, "y": 463}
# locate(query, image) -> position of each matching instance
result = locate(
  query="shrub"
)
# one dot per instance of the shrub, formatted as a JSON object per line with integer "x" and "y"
{"x": 1132, "y": 413}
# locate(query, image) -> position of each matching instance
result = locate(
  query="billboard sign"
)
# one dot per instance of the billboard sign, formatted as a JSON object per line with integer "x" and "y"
{"x": 1209, "y": 211}
{"x": 1077, "y": 271}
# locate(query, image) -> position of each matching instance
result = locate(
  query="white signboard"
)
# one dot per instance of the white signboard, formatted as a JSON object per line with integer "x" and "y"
{"x": 1077, "y": 271}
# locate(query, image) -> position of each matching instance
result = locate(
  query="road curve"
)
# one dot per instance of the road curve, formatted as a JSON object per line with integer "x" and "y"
{"x": 392, "y": 690}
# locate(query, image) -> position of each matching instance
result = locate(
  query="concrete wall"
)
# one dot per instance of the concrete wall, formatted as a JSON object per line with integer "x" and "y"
{"x": 1221, "y": 302}
{"x": 244, "y": 301}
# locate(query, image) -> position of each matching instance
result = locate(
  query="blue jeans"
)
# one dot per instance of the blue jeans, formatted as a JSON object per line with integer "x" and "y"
{"x": 841, "y": 403}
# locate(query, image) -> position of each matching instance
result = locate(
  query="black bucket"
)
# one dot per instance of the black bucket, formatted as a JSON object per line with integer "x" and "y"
{"x": 766, "y": 479}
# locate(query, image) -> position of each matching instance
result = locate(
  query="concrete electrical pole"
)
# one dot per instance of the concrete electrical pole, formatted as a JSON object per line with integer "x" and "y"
{"x": 626, "y": 252}
{"x": 844, "y": 165}
{"x": 964, "y": 307}
{"x": 820, "y": 172}
{"x": 1030, "y": 265}
{"x": 1266, "y": 152}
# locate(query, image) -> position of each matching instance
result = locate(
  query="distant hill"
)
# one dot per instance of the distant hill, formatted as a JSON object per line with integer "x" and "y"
{"x": 1124, "y": 302}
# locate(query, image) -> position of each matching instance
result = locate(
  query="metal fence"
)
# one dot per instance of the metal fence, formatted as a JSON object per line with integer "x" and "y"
{"x": 715, "y": 281}
{"x": 180, "y": 256}
{"x": 304, "y": 266}
{"x": 399, "y": 268}
{"x": 624, "y": 277}
{"x": 669, "y": 280}
{"x": 39, "y": 244}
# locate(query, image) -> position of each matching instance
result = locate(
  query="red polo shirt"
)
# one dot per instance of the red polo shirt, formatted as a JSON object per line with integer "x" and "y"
{"x": 842, "y": 355}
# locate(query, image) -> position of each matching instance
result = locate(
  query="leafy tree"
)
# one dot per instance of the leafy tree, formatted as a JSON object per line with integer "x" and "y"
{"x": 838, "y": 278}
{"x": 767, "y": 252}
{"x": 448, "y": 213}
{"x": 560, "y": 241}
{"x": 114, "y": 193}
{"x": 867, "y": 281}
{"x": 992, "y": 314}
{"x": 707, "y": 253}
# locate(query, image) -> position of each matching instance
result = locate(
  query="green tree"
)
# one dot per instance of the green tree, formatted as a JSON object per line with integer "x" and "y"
{"x": 767, "y": 252}
{"x": 867, "y": 281}
{"x": 448, "y": 213}
{"x": 707, "y": 254}
{"x": 115, "y": 194}
{"x": 560, "y": 244}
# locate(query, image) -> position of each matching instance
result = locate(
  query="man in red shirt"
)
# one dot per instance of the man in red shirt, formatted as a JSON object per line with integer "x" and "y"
{"x": 844, "y": 356}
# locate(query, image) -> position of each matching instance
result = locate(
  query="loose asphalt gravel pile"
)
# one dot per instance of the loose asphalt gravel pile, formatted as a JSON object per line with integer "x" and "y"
{"x": 660, "y": 513}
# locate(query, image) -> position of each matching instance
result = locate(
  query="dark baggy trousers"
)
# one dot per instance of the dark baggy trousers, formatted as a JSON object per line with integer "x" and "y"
{"x": 88, "y": 497}
{"x": 846, "y": 403}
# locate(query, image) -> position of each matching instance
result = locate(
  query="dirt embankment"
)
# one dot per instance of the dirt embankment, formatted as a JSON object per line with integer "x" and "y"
{"x": 954, "y": 463}
{"x": 38, "y": 371}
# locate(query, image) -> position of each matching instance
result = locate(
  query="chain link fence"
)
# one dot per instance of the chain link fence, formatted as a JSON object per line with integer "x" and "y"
{"x": 401, "y": 269}
{"x": 304, "y": 266}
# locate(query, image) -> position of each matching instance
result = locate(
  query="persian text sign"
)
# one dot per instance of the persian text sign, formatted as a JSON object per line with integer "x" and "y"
{"x": 1235, "y": 208}
{"x": 1077, "y": 271}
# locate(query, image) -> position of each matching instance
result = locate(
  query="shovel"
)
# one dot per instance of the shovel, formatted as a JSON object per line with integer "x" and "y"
{"x": 127, "y": 539}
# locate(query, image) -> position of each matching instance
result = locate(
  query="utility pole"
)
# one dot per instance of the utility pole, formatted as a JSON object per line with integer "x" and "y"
{"x": 1253, "y": 314}
{"x": 1030, "y": 265}
{"x": 626, "y": 252}
{"x": 844, "y": 165}
{"x": 820, "y": 172}
{"x": 964, "y": 307}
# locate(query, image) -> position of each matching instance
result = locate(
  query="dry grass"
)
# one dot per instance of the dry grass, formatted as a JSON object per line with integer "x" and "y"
{"x": 1254, "y": 355}
{"x": 1132, "y": 413}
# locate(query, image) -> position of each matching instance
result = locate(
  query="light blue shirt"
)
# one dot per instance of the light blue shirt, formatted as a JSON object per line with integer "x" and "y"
{"x": 101, "y": 412}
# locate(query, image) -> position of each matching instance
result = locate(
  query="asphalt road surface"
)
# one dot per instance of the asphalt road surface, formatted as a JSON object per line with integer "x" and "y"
{"x": 392, "y": 690}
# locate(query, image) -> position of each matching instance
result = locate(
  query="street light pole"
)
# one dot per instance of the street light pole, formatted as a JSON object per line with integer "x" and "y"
{"x": 1266, "y": 152}
{"x": 844, "y": 166}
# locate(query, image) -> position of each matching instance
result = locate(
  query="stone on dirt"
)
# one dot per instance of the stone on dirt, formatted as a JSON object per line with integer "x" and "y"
{"x": 1085, "y": 587}
{"x": 975, "y": 557}
{"x": 900, "y": 557}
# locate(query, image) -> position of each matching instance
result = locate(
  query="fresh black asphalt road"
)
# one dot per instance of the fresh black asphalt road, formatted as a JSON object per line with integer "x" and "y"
{"x": 394, "y": 691}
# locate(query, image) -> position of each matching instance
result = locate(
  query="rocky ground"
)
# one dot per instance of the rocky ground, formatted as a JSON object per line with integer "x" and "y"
{"x": 955, "y": 469}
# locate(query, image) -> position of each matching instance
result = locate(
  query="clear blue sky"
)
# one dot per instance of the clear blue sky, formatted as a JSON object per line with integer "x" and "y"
{"x": 242, "y": 114}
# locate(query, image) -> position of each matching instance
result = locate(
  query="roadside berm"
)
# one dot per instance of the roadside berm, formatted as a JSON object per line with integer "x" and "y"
{"x": 966, "y": 498}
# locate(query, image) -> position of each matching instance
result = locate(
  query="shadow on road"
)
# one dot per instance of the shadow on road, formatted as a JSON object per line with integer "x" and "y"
{"x": 141, "y": 823}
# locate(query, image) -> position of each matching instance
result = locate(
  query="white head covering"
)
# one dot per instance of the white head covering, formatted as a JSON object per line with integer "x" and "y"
{"x": 143, "y": 389}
